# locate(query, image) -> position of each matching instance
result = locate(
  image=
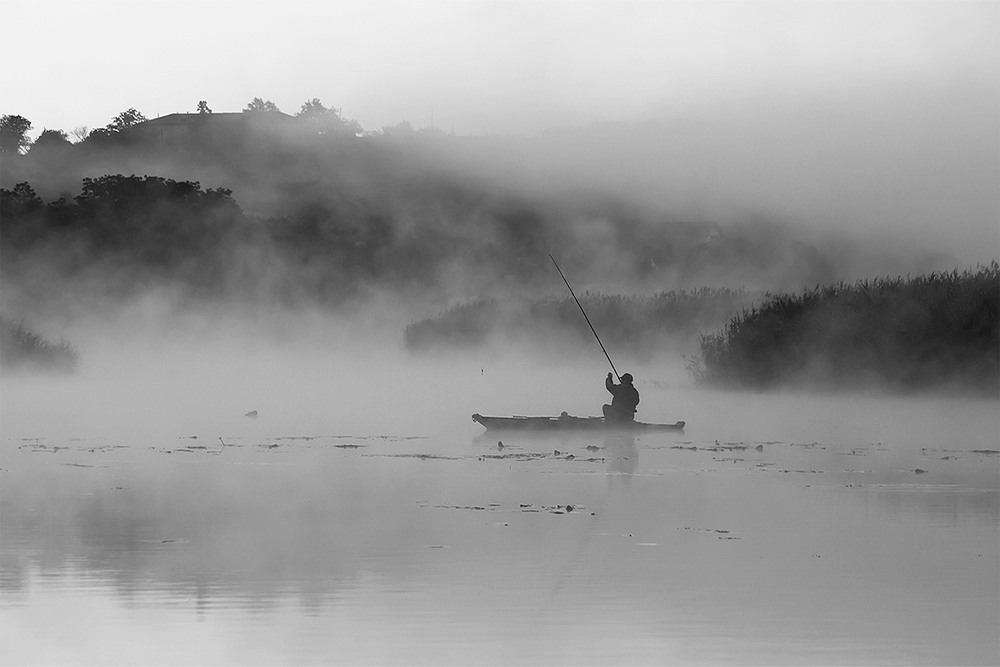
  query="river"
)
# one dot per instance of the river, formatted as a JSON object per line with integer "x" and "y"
{"x": 361, "y": 517}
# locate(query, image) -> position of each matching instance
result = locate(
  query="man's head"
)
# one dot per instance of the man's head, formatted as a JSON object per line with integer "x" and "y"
{"x": 627, "y": 378}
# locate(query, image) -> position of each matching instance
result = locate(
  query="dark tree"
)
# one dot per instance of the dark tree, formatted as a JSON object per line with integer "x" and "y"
{"x": 203, "y": 107}
{"x": 258, "y": 105}
{"x": 20, "y": 210}
{"x": 22, "y": 199}
{"x": 101, "y": 136}
{"x": 51, "y": 139}
{"x": 14, "y": 134}
{"x": 323, "y": 120}
{"x": 125, "y": 120}
{"x": 326, "y": 120}
{"x": 314, "y": 109}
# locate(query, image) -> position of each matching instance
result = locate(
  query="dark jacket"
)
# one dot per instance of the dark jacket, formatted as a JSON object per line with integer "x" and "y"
{"x": 626, "y": 398}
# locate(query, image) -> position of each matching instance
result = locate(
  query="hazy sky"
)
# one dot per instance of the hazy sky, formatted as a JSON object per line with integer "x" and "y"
{"x": 871, "y": 117}
{"x": 476, "y": 67}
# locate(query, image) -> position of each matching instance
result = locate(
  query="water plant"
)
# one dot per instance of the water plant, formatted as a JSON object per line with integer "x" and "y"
{"x": 638, "y": 325}
{"x": 22, "y": 349}
{"x": 903, "y": 333}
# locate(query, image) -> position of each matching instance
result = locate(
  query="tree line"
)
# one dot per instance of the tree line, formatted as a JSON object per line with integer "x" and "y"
{"x": 123, "y": 234}
{"x": 313, "y": 114}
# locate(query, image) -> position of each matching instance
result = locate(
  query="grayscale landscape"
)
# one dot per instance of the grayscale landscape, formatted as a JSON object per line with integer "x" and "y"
{"x": 256, "y": 282}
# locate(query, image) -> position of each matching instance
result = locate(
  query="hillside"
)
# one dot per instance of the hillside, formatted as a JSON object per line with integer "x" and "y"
{"x": 285, "y": 213}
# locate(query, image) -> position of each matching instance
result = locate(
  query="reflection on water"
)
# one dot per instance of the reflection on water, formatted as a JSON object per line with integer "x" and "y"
{"x": 730, "y": 543}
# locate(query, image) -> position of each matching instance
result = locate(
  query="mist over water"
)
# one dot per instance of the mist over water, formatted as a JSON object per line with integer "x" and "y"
{"x": 261, "y": 458}
{"x": 252, "y": 472}
{"x": 306, "y": 375}
{"x": 248, "y": 476}
{"x": 362, "y": 503}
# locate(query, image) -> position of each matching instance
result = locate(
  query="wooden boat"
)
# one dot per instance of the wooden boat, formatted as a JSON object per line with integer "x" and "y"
{"x": 565, "y": 422}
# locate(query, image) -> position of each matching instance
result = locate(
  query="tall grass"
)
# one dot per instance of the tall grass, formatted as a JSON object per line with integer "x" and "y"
{"x": 900, "y": 333}
{"x": 23, "y": 349}
{"x": 637, "y": 325}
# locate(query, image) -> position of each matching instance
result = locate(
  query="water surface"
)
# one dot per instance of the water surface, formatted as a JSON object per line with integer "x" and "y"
{"x": 778, "y": 528}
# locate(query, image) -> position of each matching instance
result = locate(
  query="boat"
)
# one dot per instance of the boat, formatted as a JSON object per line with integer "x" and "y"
{"x": 566, "y": 422}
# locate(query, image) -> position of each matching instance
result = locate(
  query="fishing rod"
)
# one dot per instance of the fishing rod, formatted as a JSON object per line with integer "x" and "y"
{"x": 586, "y": 318}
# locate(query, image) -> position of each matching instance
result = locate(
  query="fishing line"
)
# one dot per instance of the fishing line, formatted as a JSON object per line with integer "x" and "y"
{"x": 586, "y": 318}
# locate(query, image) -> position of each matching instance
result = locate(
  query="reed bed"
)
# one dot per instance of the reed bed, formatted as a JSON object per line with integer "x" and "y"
{"x": 23, "y": 349}
{"x": 912, "y": 333}
{"x": 637, "y": 325}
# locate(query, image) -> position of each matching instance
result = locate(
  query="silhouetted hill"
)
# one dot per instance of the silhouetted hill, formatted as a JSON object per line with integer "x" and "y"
{"x": 267, "y": 208}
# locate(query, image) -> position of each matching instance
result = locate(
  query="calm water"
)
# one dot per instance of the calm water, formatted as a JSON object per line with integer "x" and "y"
{"x": 776, "y": 529}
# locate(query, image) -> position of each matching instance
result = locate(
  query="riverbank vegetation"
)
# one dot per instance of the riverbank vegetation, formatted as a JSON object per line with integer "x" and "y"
{"x": 22, "y": 349}
{"x": 313, "y": 214}
{"x": 312, "y": 210}
{"x": 431, "y": 240}
{"x": 935, "y": 331}
{"x": 904, "y": 334}
{"x": 639, "y": 326}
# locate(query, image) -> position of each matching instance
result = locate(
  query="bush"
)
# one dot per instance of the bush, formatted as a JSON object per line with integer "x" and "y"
{"x": 901, "y": 333}
{"x": 22, "y": 349}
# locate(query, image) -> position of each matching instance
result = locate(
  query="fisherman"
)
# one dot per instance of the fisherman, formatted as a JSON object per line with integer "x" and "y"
{"x": 626, "y": 398}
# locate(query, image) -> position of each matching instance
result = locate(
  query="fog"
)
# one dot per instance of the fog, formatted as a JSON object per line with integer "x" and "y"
{"x": 912, "y": 170}
{"x": 253, "y": 449}
{"x": 877, "y": 121}
{"x": 302, "y": 374}
{"x": 362, "y": 498}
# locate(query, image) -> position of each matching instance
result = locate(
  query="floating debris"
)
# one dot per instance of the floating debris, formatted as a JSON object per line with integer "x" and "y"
{"x": 517, "y": 456}
{"x": 528, "y": 508}
{"x": 718, "y": 532}
{"x": 808, "y": 445}
{"x": 252, "y": 414}
{"x": 171, "y": 540}
{"x": 418, "y": 456}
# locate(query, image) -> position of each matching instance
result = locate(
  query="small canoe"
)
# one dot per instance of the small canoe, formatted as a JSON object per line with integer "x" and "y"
{"x": 567, "y": 422}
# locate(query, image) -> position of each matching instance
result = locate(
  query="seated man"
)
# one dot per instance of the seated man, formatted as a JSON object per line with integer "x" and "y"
{"x": 625, "y": 400}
